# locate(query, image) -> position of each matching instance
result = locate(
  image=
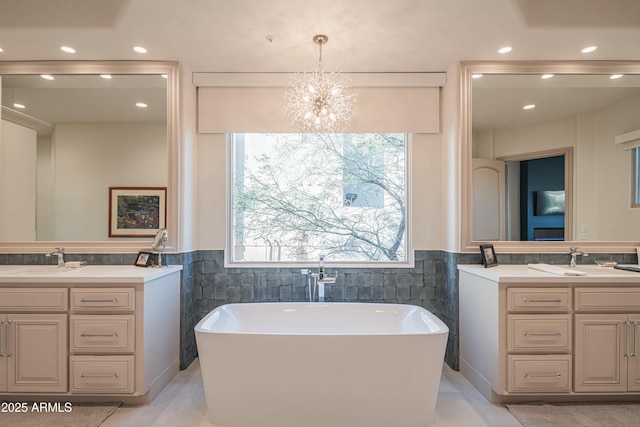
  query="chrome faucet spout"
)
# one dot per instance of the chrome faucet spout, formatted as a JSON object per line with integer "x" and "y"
{"x": 574, "y": 252}
{"x": 59, "y": 252}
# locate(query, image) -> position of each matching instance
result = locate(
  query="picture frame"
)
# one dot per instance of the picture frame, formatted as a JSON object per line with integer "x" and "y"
{"x": 137, "y": 211}
{"x": 143, "y": 259}
{"x": 488, "y": 255}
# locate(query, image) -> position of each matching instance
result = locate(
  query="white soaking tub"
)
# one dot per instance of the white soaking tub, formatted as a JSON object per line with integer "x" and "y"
{"x": 321, "y": 365}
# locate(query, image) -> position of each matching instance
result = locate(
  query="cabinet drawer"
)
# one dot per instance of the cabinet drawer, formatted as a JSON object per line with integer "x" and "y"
{"x": 34, "y": 299}
{"x": 607, "y": 299}
{"x": 102, "y": 333}
{"x": 539, "y": 332}
{"x": 102, "y": 374}
{"x": 538, "y": 299}
{"x": 102, "y": 299}
{"x": 539, "y": 374}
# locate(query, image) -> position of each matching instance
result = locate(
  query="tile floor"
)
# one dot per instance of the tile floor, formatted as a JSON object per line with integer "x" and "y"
{"x": 182, "y": 404}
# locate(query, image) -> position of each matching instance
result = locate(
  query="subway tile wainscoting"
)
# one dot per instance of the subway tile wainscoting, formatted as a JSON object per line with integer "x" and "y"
{"x": 207, "y": 284}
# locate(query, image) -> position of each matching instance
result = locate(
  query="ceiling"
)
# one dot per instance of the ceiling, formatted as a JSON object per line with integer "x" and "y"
{"x": 276, "y": 36}
{"x": 364, "y": 35}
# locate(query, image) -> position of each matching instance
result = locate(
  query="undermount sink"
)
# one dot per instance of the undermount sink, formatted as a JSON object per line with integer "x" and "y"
{"x": 36, "y": 270}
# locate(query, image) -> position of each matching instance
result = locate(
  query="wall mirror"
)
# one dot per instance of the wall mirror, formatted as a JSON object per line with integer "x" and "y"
{"x": 71, "y": 130}
{"x": 543, "y": 169}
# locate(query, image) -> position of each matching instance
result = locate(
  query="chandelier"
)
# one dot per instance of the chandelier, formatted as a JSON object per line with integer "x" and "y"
{"x": 320, "y": 101}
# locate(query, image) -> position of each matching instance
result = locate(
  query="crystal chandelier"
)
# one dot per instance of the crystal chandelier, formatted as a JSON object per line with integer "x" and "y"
{"x": 320, "y": 101}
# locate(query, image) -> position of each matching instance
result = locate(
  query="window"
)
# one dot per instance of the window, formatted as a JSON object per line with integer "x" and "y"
{"x": 296, "y": 196}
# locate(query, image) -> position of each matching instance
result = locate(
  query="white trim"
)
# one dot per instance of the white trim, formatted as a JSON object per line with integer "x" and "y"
{"x": 467, "y": 245}
{"x": 284, "y": 79}
{"x": 173, "y": 148}
{"x": 630, "y": 140}
{"x": 23, "y": 119}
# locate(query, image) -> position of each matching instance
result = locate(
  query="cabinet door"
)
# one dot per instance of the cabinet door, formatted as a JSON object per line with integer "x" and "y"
{"x": 600, "y": 345}
{"x": 3, "y": 357}
{"x": 38, "y": 345}
{"x": 634, "y": 358}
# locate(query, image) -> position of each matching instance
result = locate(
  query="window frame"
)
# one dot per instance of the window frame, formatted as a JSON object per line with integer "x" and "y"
{"x": 635, "y": 177}
{"x": 229, "y": 262}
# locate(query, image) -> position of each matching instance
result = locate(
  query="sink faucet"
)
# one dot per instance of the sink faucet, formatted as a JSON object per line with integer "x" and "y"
{"x": 574, "y": 252}
{"x": 59, "y": 252}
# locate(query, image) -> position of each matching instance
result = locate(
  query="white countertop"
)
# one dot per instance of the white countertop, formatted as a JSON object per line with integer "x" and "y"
{"x": 88, "y": 274}
{"x": 512, "y": 273}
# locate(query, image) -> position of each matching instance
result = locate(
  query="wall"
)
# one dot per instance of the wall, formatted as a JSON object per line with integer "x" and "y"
{"x": 17, "y": 182}
{"x": 87, "y": 159}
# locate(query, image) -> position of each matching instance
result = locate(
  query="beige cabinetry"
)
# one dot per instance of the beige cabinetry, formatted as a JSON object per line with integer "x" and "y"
{"x": 538, "y": 343}
{"x": 33, "y": 346}
{"x": 97, "y": 334}
{"x": 606, "y": 345}
{"x": 102, "y": 345}
{"x": 527, "y": 335}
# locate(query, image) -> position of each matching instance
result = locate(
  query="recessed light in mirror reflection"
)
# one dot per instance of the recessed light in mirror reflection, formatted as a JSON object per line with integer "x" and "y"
{"x": 505, "y": 49}
{"x": 615, "y": 76}
{"x": 547, "y": 76}
{"x": 67, "y": 49}
{"x": 106, "y": 76}
{"x": 141, "y": 105}
{"x": 19, "y": 105}
{"x": 589, "y": 49}
{"x": 476, "y": 76}
{"x": 47, "y": 76}
{"x": 529, "y": 107}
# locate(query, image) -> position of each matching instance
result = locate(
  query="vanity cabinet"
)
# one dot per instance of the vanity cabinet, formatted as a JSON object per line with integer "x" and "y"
{"x": 538, "y": 343}
{"x": 98, "y": 333}
{"x": 529, "y": 335}
{"x": 607, "y": 344}
{"x": 33, "y": 354}
{"x": 102, "y": 345}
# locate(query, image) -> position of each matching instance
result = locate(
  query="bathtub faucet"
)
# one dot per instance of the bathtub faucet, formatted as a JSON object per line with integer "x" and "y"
{"x": 316, "y": 281}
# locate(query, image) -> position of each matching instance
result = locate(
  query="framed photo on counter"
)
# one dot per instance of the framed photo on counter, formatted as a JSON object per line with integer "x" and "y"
{"x": 488, "y": 255}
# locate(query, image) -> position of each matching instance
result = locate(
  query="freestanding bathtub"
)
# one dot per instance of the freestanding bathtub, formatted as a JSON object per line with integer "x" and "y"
{"x": 321, "y": 365}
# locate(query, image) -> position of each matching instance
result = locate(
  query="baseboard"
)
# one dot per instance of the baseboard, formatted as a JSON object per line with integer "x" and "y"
{"x": 165, "y": 377}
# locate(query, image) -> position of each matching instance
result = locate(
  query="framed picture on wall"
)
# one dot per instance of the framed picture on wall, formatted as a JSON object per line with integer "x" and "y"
{"x": 137, "y": 211}
{"x": 488, "y": 255}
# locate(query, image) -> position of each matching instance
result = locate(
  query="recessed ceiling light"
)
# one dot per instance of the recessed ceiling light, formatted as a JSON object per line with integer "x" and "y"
{"x": 67, "y": 49}
{"x": 141, "y": 105}
{"x": 47, "y": 76}
{"x": 165, "y": 76}
{"x": 529, "y": 107}
{"x": 615, "y": 76}
{"x": 476, "y": 76}
{"x": 105, "y": 76}
{"x": 589, "y": 49}
{"x": 1, "y": 50}
{"x": 547, "y": 76}
{"x": 505, "y": 49}
{"x": 140, "y": 49}
{"x": 19, "y": 105}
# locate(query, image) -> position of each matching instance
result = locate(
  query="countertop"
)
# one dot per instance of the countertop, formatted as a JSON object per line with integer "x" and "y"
{"x": 512, "y": 273}
{"x": 15, "y": 274}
